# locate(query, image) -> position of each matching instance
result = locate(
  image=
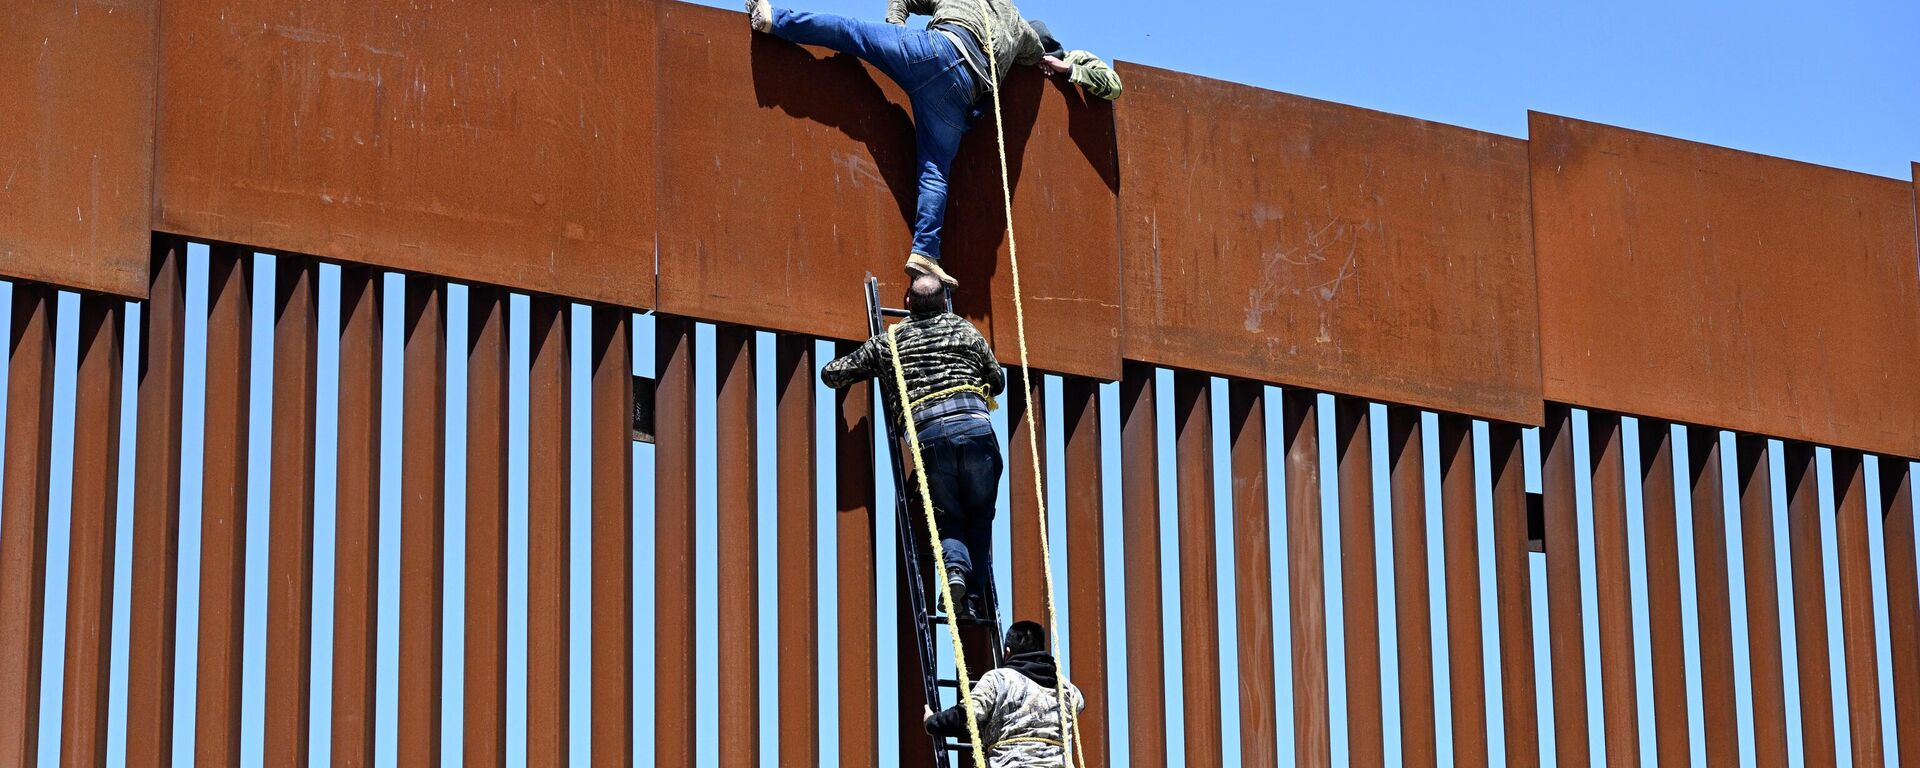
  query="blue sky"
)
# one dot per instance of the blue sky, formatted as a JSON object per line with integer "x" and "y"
{"x": 1826, "y": 83}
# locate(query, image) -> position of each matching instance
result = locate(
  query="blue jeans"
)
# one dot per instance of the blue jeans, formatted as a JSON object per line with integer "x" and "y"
{"x": 929, "y": 68}
{"x": 962, "y": 457}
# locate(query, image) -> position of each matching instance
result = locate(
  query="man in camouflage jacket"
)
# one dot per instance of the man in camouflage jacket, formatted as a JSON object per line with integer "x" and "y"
{"x": 1016, "y": 706}
{"x": 950, "y": 374}
{"x": 943, "y": 69}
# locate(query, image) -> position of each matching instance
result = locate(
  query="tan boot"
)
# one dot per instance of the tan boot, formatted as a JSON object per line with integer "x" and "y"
{"x": 760, "y": 15}
{"x": 921, "y": 265}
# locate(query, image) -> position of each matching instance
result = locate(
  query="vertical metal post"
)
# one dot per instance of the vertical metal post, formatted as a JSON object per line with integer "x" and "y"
{"x": 1856, "y": 607}
{"x": 1763, "y": 602}
{"x": 95, "y": 502}
{"x": 23, "y": 519}
{"x": 357, "y": 520}
{"x": 223, "y": 507}
{"x": 1565, "y": 618}
{"x": 1804, "y": 540}
{"x": 1460, "y": 534}
{"x": 1029, "y": 583}
{"x": 1660, "y": 520}
{"x": 1306, "y": 578}
{"x": 296, "y": 340}
{"x": 485, "y": 726}
{"x": 1419, "y": 739}
{"x": 1512, "y": 583}
{"x": 154, "y": 594}
{"x": 611, "y": 435}
{"x": 549, "y": 532}
{"x": 1252, "y": 573}
{"x": 1903, "y": 602}
{"x": 799, "y": 603}
{"x": 738, "y": 525}
{"x": 1086, "y": 560}
{"x": 854, "y": 548}
{"x": 1354, "y": 446}
{"x": 1199, "y": 574}
{"x": 1140, "y": 506}
{"x": 1710, "y": 574}
{"x": 674, "y": 714}
{"x": 423, "y": 462}
{"x": 1613, "y": 571}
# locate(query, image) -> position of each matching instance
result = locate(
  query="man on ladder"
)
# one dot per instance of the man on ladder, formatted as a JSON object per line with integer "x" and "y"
{"x": 951, "y": 377}
{"x": 1018, "y": 715}
{"x": 943, "y": 69}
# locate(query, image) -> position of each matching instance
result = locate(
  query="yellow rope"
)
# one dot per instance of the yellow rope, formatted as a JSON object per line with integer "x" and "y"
{"x": 983, "y": 392}
{"x": 939, "y": 557}
{"x": 1068, "y": 717}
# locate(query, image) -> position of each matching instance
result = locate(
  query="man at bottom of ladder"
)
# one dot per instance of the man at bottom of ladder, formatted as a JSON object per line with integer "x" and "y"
{"x": 950, "y": 373}
{"x": 1017, "y": 705}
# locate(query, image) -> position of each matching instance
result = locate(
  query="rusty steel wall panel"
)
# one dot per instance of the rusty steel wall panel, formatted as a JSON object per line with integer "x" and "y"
{"x": 828, "y": 146}
{"x": 23, "y": 518}
{"x": 508, "y": 144}
{"x": 1620, "y": 705}
{"x": 296, "y": 342}
{"x": 356, "y": 607}
{"x": 1856, "y": 608}
{"x": 1419, "y": 739}
{"x": 1903, "y": 602}
{"x": 1460, "y": 535}
{"x": 223, "y": 506}
{"x": 612, "y": 498}
{"x": 423, "y": 462}
{"x": 799, "y": 604}
{"x": 1379, "y": 256}
{"x": 1199, "y": 574}
{"x": 1087, "y": 562}
{"x": 1252, "y": 573}
{"x": 854, "y": 548}
{"x": 92, "y": 518}
{"x": 484, "y": 727}
{"x": 1720, "y": 714}
{"x": 154, "y": 596}
{"x": 737, "y": 523}
{"x": 673, "y": 532}
{"x": 549, "y": 531}
{"x": 1689, "y": 282}
{"x": 1667, "y": 645}
{"x": 1359, "y": 580}
{"x": 1029, "y": 588}
{"x": 1306, "y": 578}
{"x": 1140, "y": 519}
{"x": 1806, "y": 549}
{"x": 1513, "y": 598}
{"x": 1763, "y": 602}
{"x": 1565, "y": 615}
{"x": 78, "y": 143}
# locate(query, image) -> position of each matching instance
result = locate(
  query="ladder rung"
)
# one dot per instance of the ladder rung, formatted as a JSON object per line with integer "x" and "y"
{"x": 941, "y": 618}
{"x": 891, "y": 312}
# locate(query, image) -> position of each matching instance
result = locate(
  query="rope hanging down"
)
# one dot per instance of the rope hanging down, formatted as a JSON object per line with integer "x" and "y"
{"x": 1068, "y": 718}
{"x": 939, "y": 556}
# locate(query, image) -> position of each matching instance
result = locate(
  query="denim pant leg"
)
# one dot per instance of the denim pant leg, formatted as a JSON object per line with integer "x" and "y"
{"x": 980, "y": 469}
{"x": 941, "y": 114}
{"x": 895, "y": 49}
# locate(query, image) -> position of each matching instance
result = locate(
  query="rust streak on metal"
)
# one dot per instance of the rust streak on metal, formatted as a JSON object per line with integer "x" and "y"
{"x": 737, "y": 522}
{"x": 612, "y": 498}
{"x": 549, "y": 531}
{"x": 1674, "y": 283}
{"x": 674, "y": 713}
{"x": 1856, "y": 607}
{"x": 223, "y": 507}
{"x": 1333, "y": 220}
{"x": 508, "y": 144}
{"x": 799, "y": 604}
{"x": 1029, "y": 582}
{"x": 77, "y": 149}
{"x": 1419, "y": 739}
{"x": 1513, "y": 594}
{"x": 423, "y": 453}
{"x": 1612, "y": 566}
{"x": 1086, "y": 561}
{"x": 23, "y": 518}
{"x": 1565, "y": 618}
{"x": 1140, "y": 515}
{"x": 1763, "y": 602}
{"x": 95, "y": 503}
{"x": 1252, "y": 573}
{"x": 1710, "y": 577}
{"x": 485, "y": 718}
{"x": 854, "y": 547}
{"x": 155, "y": 593}
{"x": 1306, "y": 578}
{"x": 296, "y": 340}
{"x": 1199, "y": 575}
{"x": 1805, "y": 546}
{"x": 829, "y": 143}
{"x": 357, "y": 520}
{"x": 1353, "y": 441}
{"x": 1903, "y": 601}
{"x": 1460, "y": 533}
{"x": 1664, "y": 620}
